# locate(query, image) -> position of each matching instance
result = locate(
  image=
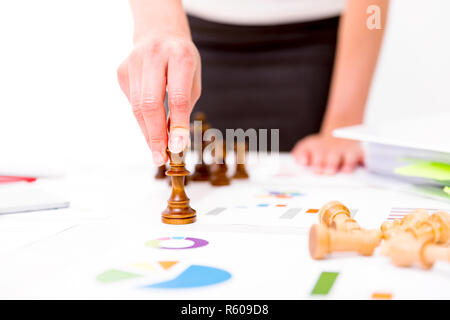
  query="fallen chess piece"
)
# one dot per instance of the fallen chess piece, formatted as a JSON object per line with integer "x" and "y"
{"x": 418, "y": 225}
{"x": 337, "y": 216}
{"x": 406, "y": 251}
{"x": 324, "y": 241}
{"x": 391, "y": 228}
{"x": 178, "y": 210}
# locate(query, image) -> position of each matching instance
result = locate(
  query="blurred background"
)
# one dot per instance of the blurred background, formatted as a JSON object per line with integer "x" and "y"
{"x": 61, "y": 106}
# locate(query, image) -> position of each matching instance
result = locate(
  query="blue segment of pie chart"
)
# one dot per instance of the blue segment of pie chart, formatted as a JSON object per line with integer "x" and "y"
{"x": 194, "y": 276}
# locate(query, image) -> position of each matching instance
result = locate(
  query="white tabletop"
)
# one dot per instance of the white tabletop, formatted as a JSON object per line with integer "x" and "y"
{"x": 115, "y": 211}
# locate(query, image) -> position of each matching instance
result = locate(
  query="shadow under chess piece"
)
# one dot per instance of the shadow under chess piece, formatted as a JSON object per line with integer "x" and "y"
{"x": 202, "y": 171}
{"x": 219, "y": 169}
{"x": 240, "y": 149}
{"x": 323, "y": 241}
{"x": 337, "y": 216}
{"x": 161, "y": 172}
{"x": 178, "y": 210}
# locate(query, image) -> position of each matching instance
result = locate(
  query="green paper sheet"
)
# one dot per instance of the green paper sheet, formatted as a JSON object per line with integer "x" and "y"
{"x": 447, "y": 190}
{"x": 431, "y": 170}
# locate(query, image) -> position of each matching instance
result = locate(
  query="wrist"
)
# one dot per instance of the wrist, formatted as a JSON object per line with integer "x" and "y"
{"x": 335, "y": 121}
{"x": 160, "y": 20}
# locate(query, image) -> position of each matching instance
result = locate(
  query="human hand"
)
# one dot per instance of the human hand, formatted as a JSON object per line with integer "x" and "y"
{"x": 157, "y": 64}
{"x": 328, "y": 155}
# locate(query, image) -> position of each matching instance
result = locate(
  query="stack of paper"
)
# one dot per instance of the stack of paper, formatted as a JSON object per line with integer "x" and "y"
{"x": 416, "y": 151}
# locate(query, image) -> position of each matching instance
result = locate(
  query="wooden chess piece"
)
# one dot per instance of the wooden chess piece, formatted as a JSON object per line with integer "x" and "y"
{"x": 337, "y": 216}
{"x": 202, "y": 171}
{"x": 219, "y": 172}
{"x": 408, "y": 222}
{"x": 161, "y": 172}
{"x": 441, "y": 221}
{"x": 178, "y": 210}
{"x": 419, "y": 226}
{"x": 323, "y": 241}
{"x": 186, "y": 180}
{"x": 391, "y": 228}
{"x": 405, "y": 252}
{"x": 240, "y": 149}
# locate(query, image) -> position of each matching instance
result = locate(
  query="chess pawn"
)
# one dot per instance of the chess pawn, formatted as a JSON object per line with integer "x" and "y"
{"x": 337, "y": 216}
{"x": 161, "y": 172}
{"x": 178, "y": 210}
{"x": 435, "y": 229}
{"x": 406, "y": 251}
{"x": 323, "y": 241}
{"x": 202, "y": 171}
{"x": 219, "y": 172}
{"x": 240, "y": 149}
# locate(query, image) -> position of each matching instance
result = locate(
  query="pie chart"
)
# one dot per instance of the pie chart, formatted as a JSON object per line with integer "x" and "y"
{"x": 174, "y": 243}
{"x": 194, "y": 276}
{"x": 187, "y": 275}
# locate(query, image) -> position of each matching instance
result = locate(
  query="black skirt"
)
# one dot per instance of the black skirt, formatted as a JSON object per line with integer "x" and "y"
{"x": 266, "y": 77}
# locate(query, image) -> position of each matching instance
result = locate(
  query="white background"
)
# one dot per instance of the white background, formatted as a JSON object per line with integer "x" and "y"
{"x": 60, "y": 103}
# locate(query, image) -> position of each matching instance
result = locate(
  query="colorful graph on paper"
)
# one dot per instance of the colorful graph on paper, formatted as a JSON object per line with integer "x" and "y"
{"x": 174, "y": 243}
{"x": 399, "y": 213}
{"x": 186, "y": 275}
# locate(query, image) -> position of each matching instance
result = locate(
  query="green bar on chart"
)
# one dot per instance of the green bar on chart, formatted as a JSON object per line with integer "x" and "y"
{"x": 325, "y": 283}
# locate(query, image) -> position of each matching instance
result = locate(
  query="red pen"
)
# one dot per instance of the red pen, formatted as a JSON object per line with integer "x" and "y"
{"x": 11, "y": 179}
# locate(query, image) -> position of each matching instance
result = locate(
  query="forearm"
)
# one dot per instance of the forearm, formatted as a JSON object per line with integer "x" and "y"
{"x": 356, "y": 58}
{"x": 155, "y": 17}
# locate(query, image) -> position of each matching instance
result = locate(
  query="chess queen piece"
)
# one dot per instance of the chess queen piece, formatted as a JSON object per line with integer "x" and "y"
{"x": 178, "y": 210}
{"x": 201, "y": 172}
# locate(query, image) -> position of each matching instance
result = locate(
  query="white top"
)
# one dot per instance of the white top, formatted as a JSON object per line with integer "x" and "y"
{"x": 263, "y": 12}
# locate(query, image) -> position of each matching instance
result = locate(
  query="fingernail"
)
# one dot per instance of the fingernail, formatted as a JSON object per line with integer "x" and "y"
{"x": 178, "y": 140}
{"x": 158, "y": 158}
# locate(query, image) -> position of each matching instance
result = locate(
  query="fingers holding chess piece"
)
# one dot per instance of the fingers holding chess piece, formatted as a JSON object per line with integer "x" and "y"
{"x": 178, "y": 210}
{"x": 324, "y": 241}
{"x": 219, "y": 169}
{"x": 337, "y": 216}
{"x": 240, "y": 150}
